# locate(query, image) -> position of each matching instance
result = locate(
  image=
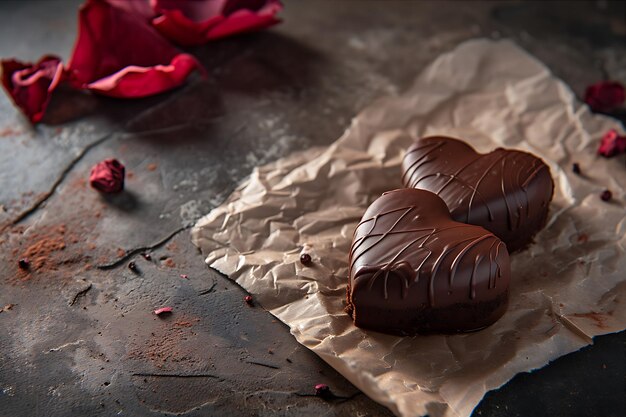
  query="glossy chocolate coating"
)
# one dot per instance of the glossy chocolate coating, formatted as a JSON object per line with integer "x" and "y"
{"x": 414, "y": 270}
{"x": 507, "y": 192}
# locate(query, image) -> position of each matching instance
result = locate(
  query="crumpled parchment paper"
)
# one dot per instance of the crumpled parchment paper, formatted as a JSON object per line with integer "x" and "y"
{"x": 566, "y": 288}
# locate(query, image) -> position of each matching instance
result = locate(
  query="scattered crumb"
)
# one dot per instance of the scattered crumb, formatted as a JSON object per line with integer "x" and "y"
{"x": 7, "y": 307}
{"x": 152, "y": 167}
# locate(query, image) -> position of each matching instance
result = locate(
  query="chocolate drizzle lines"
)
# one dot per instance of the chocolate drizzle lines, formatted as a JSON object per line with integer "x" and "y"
{"x": 407, "y": 265}
{"x": 504, "y": 191}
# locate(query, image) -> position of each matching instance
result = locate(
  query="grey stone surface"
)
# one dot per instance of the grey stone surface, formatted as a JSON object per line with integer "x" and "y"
{"x": 82, "y": 339}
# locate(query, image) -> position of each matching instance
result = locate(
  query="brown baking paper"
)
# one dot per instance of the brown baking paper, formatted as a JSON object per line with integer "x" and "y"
{"x": 566, "y": 288}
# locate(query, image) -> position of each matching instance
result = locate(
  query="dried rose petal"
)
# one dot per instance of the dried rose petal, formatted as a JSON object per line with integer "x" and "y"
{"x": 163, "y": 310}
{"x": 605, "y": 96}
{"x": 23, "y": 263}
{"x": 184, "y": 276}
{"x": 31, "y": 85}
{"x": 108, "y": 176}
{"x": 190, "y": 22}
{"x": 322, "y": 389}
{"x": 131, "y": 60}
{"x": 612, "y": 144}
{"x": 606, "y": 195}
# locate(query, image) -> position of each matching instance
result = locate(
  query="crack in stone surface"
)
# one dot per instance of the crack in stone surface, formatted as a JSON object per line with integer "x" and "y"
{"x": 46, "y": 195}
{"x": 267, "y": 365}
{"x": 80, "y": 293}
{"x": 140, "y": 249}
{"x": 157, "y": 375}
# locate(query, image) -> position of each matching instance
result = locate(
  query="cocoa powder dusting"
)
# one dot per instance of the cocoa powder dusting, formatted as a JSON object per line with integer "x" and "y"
{"x": 599, "y": 319}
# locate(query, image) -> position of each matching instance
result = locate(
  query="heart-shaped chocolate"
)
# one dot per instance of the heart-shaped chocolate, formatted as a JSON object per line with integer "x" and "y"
{"x": 507, "y": 192}
{"x": 413, "y": 269}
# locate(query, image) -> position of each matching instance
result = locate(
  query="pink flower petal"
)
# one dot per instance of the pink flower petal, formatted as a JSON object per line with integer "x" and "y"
{"x": 174, "y": 25}
{"x": 189, "y": 22}
{"x": 31, "y": 85}
{"x": 163, "y": 310}
{"x": 246, "y": 20}
{"x": 131, "y": 60}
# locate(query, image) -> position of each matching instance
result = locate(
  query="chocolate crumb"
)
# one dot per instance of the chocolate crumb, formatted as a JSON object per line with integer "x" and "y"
{"x": 305, "y": 259}
{"x": 576, "y": 168}
{"x": 132, "y": 266}
{"x": 606, "y": 195}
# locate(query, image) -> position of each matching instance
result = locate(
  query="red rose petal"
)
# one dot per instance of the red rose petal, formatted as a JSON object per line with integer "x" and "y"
{"x": 163, "y": 310}
{"x": 246, "y": 20}
{"x": 605, "y": 96}
{"x": 612, "y": 144}
{"x": 196, "y": 22}
{"x": 141, "y": 8}
{"x": 132, "y": 60}
{"x": 174, "y": 25}
{"x": 31, "y": 85}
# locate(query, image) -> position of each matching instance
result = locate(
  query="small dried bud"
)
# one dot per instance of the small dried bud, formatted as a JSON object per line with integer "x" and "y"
{"x": 606, "y": 195}
{"x": 108, "y": 176}
{"x": 305, "y": 259}
{"x": 23, "y": 263}
{"x": 322, "y": 390}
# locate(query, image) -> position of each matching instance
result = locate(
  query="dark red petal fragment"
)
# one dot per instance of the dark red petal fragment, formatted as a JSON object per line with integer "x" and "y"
{"x": 132, "y": 60}
{"x": 605, "y": 96}
{"x": 191, "y": 22}
{"x": 31, "y": 85}
{"x": 322, "y": 390}
{"x": 606, "y": 195}
{"x": 108, "y": 176}
{"x": 163, "y": 310}
{"x": 612, "y": 144}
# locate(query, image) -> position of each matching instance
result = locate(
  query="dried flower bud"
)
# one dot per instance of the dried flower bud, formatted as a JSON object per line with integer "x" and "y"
{"x": 23, "y": 263}
{"x": 605, "y": 96}
{"x": 322, "y": 390}
{"x": 108, "y": 176}
{"x": 606, "y": 195}
{"x": 305, "y": 259}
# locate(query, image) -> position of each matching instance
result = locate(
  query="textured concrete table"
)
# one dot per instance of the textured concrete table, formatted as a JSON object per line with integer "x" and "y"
{"x": 81, "y": 338}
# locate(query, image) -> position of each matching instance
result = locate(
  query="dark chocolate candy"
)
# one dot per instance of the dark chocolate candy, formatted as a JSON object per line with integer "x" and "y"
{"x": 415, "y": 270}
{"x": 507, "y": 192}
